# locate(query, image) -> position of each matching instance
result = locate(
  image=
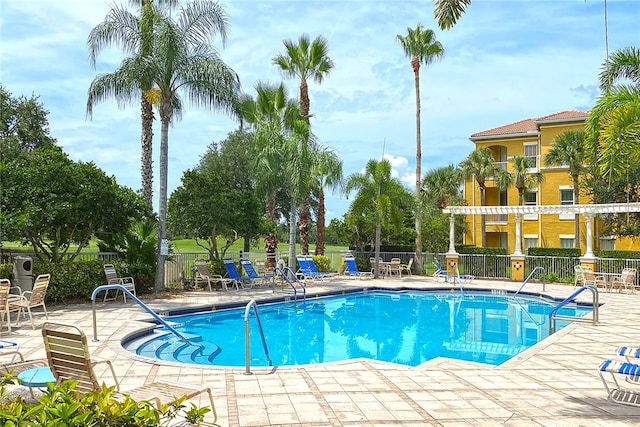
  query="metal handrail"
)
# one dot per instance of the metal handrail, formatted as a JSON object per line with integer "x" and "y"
{"x": 99, "y": 289}
{"x": 247, "y": 310}
{"x": 553, "y": 316}
{"x": 529, "y": 277}
{"x": 284, "y": 274}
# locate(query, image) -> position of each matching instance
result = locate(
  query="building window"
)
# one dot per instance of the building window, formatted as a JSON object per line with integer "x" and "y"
{"x": 530, "y": 242}
{"x": 566, "y": 196}
{"x": 608, "y": 243}
{"x": 531, "y": 151}
{"x": 530, "y": 199}
{"x": 567, "y": 242}
{"x": 566, "y": 199}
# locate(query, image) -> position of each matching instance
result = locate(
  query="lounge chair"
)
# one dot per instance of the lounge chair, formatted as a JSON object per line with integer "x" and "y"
{"x": 17, "y": 364}
{"x": 615, "y": 392}
{"x": 233, "y": 273}
{"x": 33, "y": 298}
{"x": 626, "y": 279}
{"x": 351, "y": 269}
{"x": 5, "y": 298}
{"x": 312, "y": 266}
{"x": 203, "y": 275}
{"x": 113, "y": 279}
{"x": 309, "y": 271}
{"x": 253, "y": 275}
{"x": 406, "y": 267}
{"x": 69, "y": 359}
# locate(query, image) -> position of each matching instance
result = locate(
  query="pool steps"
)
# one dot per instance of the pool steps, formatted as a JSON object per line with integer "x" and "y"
{"x": 165, "y": 345}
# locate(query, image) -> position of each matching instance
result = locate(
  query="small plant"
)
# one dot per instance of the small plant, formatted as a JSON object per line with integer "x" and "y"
{"x": 61, "y": 406}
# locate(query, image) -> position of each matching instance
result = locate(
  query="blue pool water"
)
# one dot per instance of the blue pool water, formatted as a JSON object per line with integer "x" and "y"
{"x": 409, "y": 327}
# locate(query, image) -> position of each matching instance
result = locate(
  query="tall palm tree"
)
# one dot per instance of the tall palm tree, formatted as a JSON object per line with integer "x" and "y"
{"x": 613, "y": 127}
{"x": 480, "y": 164}
{"x": 519, "y": 177}
{"x": 134, "y": 34}
{"x": 305, "y": 60}
{"x": 448, "y": 12}
{"x": 380, "y": 192}
{"x": 181, "y": 59}
{"x": 422, "y": 47}
{"x": 441, "y": 186}
{"x": 327, "y": 171}
{"x": 568, "y": 149}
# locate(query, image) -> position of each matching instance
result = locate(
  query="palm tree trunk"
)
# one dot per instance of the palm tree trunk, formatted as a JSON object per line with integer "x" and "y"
{"x": 304, "y": 227}
{"x": 146, "y": 155}
{"x": 376, "y": 264}
{"x": 162, "y": 204}
{"x": 321, "y": 226}
{"x": 292, "y": 235}
{"x": 418, "y": 255}
{"x": 483, "y": 220}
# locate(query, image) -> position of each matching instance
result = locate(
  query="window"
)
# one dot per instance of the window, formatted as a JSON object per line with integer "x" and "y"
{"x": 608, "y": 243}
{"x": 531, "y": 151}
{"x": 566, "y": 199}
{"x": 566, "y": 196}
{"x": 566, "y": 242}
{"x": 530, "y": 199}
{"x": 530, "y": 241}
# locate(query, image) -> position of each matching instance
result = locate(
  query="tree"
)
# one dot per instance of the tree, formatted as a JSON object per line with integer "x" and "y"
{"x": 135, "y": 35}
{"x": 327, "y": 171}
{"x": 421, "y": 45}
{"x": 52, "y": 203}
{"x": 480, "y": 164}
{"x": 519, "y": 177}
{"x": 568, "y": 149}
{"x": 23, "y": 124}
{"x": 217, "y": 198}
{"x": 448, "y": 12}
{"x": 613, "y": 127}
{"x": 380, "y": 195}
{"x": 181, "y": 59}
{"x": 305, "y": 60}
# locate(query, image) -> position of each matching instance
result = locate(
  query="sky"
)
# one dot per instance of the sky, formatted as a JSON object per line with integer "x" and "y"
{"x": 505, "y": 60}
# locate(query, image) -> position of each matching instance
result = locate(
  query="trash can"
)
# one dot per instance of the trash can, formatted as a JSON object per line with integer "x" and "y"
{"x": 23, "y": 273}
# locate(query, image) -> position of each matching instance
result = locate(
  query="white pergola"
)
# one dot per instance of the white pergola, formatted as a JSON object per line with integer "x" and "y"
{"x": 588, "y": 211}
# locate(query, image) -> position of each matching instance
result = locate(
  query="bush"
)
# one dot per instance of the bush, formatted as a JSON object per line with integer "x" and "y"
{"x": 323, "y": 263}
{"x": 61, "y": 406}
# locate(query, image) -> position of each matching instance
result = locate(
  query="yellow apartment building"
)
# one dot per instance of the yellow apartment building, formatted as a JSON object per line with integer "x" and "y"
{"x": 532, "y": 138}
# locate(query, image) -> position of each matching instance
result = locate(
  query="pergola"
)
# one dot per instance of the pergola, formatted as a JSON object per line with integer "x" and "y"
{"x": 588, "y": 211}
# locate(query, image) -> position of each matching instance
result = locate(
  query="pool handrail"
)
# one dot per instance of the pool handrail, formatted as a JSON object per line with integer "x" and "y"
{"x": 529, "y": 277}
{"x": 553, "y": 316}
{"x": 160, "y": 320}
{"x": 286, "y": 273}
{"x": 247, "y": 311}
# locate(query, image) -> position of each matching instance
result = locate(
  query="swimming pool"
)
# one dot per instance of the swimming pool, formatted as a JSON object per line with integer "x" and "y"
{"x": 407, "y": 327}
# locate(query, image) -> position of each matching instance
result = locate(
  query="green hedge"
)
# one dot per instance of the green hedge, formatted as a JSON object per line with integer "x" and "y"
{"x": 470, "y": 249}
{"x": 560, "y": 252}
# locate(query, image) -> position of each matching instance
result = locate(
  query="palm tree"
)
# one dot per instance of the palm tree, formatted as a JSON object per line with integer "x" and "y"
{"x": 441, "y": 186}
{"x": 613, "y": 127}
{"x": 568, "y": 149}
{"x": 181, "y": 59}
{"x": 480, "y": 164}
{"x": 447, "y": 12}
{"x": 519, "y": 177}
{"x": 327, "y": 171}
{"x": 305, "y": 60}
{"x": 135, "y": 35}
{"x": 379, "y": 192}
{"x": 421, "y": 45}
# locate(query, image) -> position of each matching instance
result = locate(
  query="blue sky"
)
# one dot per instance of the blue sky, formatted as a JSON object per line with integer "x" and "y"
{"x": 506, "y": 60}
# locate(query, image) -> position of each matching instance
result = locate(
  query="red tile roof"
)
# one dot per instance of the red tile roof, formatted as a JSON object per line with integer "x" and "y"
{"x": 530, "y": 125}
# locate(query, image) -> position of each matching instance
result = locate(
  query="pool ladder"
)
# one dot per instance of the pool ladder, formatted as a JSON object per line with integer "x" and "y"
{"x": 290, "y": 277}
{"x": 553, "y": 316}
{"x": 538, "y": 268}
{"x": 247, "y": 312}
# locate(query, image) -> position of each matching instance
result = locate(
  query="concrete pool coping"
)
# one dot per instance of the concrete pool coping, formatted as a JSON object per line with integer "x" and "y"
{"x": 554, "y": 382}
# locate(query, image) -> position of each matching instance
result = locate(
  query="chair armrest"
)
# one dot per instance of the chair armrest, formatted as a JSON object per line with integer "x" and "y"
{"x": 95, "y": 360}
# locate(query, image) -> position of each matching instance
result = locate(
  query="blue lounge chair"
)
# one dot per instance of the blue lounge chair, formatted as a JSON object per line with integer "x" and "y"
{"x": 351, "y": 269}
{"x": 234, "y": 274}
{"x": 308, "y": 270}
{"x": 252, "y": 274}
{"x": 441, "y": 272}
{"x": 615, "y": 392}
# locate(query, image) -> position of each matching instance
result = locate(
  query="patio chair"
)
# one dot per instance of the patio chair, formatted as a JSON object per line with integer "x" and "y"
{"x": 406, "y": 267}
{"x": 627, "y": 279}
{"x": 5, "y": 298}
{"x": 33, "y": 298}
{"x": 393, "y": 268}
{"x": 233, "y": 273}
{"x": 17, "y": 364}
{"x": 351, "y": 269}
{"x": 586, "y": 276}
{"x": 615, "y": 392}
{"x": 113, "y": 279}
{"x": 252, "y": 274}
{"x": 203, "y": 275}
{"x": 69, "y": 359}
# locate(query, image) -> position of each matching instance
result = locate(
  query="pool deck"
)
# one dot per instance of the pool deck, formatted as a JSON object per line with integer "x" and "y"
{"x": 553, "y": 383}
